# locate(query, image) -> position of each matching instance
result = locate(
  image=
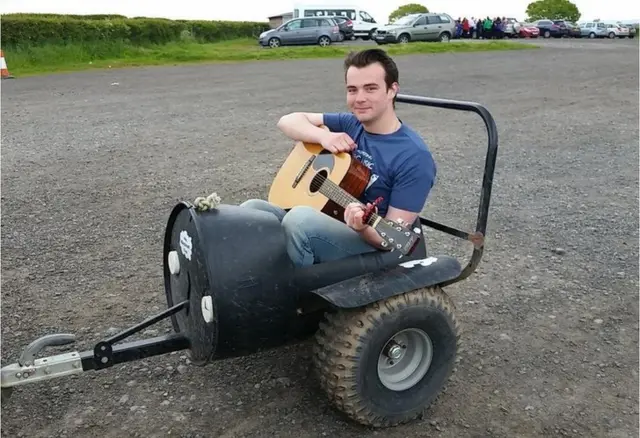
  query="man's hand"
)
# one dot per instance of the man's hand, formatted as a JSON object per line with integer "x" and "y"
{"x": 336, "y": 142}
{"x": 353, "y": 216}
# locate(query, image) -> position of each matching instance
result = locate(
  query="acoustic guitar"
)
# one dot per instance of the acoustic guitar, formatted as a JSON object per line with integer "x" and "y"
{"x": 314, "y": 177}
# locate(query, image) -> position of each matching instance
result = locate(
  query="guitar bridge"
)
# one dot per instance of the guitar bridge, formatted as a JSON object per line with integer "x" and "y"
{"x": 304, "y": 169}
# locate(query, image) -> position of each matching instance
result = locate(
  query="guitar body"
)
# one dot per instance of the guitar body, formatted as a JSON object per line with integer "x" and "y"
{"x": 296, "y": 183}
{"x": 314, "y": 177}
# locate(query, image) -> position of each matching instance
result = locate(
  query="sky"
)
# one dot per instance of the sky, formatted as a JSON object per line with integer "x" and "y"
{"x": 260, "y": 10}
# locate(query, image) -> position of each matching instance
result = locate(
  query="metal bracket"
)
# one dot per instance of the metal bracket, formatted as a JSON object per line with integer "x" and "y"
{"x": 42, "y": 369}
{"x": 103, "y": 350}
{"x": 29, "y": 369}
{"x": 29, "y": 354}
{"x": 477, "y": 239}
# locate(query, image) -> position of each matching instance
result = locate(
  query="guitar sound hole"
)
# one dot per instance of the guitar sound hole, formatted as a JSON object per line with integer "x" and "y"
{"x": 317, "y": 180}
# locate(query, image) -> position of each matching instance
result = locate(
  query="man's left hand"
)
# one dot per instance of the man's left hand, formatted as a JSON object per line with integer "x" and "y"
{"x": 353, "y": 215}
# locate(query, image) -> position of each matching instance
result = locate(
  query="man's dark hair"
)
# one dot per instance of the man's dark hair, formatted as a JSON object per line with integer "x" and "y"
{"x": 367, "y": 57}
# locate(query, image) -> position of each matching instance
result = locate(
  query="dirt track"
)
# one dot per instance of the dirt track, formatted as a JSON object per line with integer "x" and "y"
{"x": 92, "y": 163}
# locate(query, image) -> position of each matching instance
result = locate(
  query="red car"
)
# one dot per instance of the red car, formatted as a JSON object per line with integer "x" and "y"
{"x": 528, "y": 31}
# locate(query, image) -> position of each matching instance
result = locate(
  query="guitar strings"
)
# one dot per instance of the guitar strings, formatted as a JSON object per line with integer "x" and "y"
{"x": 322, "y": 184}
{"x": 327, "y": 187}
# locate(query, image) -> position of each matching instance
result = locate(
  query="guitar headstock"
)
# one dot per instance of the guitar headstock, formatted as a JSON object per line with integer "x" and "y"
{"x": 397, "y": 236}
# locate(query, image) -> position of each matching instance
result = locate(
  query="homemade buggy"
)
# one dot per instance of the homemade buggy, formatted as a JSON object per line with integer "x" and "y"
{"x": 386, "y": 335}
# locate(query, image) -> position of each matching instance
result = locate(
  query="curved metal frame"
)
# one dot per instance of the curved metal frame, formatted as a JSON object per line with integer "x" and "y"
{"x": 478, "y": 237}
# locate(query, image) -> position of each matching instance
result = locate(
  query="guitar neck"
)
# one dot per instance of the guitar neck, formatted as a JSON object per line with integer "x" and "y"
{"x": 394, "y": 236}
{"x": 338, "y": 195}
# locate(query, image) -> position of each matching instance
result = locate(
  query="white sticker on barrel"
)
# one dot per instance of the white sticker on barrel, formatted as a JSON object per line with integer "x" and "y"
{"x": 185, "y": 244}
{"x": 423, "y": 262}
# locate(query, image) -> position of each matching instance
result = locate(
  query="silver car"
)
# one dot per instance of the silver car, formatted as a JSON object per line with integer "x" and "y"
{"x": 616, "y": 31}
{"x": 417, "y": 27}
{"x": 593, "y": 29}
{"x": 302, "y": 31}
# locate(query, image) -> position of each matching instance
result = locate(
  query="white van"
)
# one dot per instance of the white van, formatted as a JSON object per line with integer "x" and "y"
{"x": 363, "y": 23}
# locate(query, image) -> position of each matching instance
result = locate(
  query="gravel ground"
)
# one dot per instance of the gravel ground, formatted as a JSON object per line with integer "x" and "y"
{"x": 93, "y": 162}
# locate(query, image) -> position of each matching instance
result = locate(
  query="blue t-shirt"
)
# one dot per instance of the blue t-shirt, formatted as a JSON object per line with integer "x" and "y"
{"x": 402, "y": 168}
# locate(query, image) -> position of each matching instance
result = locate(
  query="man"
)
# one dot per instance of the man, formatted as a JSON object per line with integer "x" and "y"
{"x": 472, "y": 27}
{"x": 402, "y": 168}
{"x": 487, "y": 26}
{"x": 480, "y": 28}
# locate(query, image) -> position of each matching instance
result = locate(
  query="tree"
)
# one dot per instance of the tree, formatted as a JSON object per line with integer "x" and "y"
{"x": 553, "y": 10}
{"x": 410, "y": 8}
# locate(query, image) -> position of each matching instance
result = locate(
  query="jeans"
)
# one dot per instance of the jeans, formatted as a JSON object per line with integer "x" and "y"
{"x": 312, "y": 236}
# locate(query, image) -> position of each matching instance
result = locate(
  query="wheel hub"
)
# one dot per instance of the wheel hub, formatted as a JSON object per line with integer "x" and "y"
{"x": 395, "y": 352}
{"x": 405, "y": 359}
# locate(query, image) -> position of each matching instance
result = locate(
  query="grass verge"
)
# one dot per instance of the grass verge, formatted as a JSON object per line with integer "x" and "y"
{"x": 32, "y": 60}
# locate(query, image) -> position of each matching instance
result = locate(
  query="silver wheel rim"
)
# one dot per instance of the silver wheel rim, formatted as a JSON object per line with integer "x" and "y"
{"x": 445, "y": 38}
{"x": 404, "y": 40}
{"x": 324, "y": 42}
{"x": 405, "y": 359}
{"x": 274, "y": 43}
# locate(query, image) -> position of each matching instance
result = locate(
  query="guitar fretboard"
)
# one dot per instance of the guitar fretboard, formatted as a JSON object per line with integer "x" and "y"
{"x": 338, "y": 195}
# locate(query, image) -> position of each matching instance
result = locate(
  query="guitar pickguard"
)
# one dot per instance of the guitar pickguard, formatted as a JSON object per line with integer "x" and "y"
{"x": 324, "y": 160}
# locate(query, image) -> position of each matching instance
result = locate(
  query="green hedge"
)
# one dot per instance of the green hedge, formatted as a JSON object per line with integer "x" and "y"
{"x": 81, "y": 17}
{"x": 40, "y": 29}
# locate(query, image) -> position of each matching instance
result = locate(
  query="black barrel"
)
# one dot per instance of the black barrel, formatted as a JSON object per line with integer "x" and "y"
{"x": 237, "y": 256}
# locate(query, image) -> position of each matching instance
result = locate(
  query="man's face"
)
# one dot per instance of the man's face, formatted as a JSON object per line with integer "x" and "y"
{"x": 367, "y": 94}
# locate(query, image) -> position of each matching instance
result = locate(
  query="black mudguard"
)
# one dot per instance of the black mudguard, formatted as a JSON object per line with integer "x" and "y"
{"x": 405, "y": 277}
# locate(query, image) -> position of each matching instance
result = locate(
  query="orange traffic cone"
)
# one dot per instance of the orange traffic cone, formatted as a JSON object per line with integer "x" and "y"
{"x": 4, "y": 71}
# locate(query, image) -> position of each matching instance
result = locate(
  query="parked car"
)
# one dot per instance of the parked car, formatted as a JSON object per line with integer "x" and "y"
{"x": 526, "y": 30}
{"x": 616, "y": 31}
{"x": 549, "y": 29}
{"x": 593, "y": 29}
{"x": 511, "y": 27}
{"x": 572, "y": 29}
{"x": 417, "y": 27}
{"x": 346, "y": 28}
{"x": 302, "y": 31}
{"x": 632, "y": 29}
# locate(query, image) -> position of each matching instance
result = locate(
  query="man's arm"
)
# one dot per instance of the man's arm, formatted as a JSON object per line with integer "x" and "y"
{"x": 413, "y": 182}
{"x": 306, "y": 127}
{"x": 303, "y": 127}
